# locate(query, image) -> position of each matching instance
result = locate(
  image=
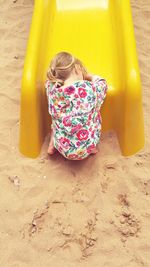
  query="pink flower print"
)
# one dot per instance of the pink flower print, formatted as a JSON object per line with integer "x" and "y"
{"x": 75, "y": 128}
{"x": 78, "y": 103}
{"x": 59, "y": 90}
{"x": 76, "y": 96}
{"x": 78, "y": 143}
{"x": 83, "y": 134}
{"x": 92, "y": 135}
{"x": 53, "y": 110}
{"x": 98, "y": 117}
{"x": 69, "y": 90}
{"x": 90, "y": 148}
{"x": 66, "y": 121}
{"x": 93, "y": 87}
{"x": 84, "y": 85}
{"x": 90, "y": 116}
{"x": 73, "y": 156}
{"x": 60, "y": 149}
{"x": 82, "y": 92}
{"x": 64, "y": 142}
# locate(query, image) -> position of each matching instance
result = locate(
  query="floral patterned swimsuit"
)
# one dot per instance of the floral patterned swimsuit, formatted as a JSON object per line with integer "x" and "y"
{"x": 76, "y": 119}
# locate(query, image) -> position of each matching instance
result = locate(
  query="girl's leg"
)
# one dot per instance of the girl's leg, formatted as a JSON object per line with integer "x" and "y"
{"x": 51, "y": 148}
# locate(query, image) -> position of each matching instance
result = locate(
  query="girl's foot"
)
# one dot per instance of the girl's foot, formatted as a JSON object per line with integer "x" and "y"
{"x": 51, "y": 149}
{"x": 94, "y": 151}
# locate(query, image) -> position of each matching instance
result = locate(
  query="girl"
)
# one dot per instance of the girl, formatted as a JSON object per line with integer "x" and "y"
{"x": 74, "y": 101}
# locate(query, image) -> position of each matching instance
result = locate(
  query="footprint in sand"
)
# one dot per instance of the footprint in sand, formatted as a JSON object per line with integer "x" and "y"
{"x": 110, "y": 171}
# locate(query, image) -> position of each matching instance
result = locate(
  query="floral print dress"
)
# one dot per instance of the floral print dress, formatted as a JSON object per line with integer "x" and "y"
{"x": 76, "y": 119}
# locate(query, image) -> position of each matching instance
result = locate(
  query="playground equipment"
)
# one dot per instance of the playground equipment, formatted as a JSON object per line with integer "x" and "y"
{"x": 101, "y": 34}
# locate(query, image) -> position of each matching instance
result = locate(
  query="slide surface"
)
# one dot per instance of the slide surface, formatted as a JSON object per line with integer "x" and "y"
{"x": 100, "y": 33}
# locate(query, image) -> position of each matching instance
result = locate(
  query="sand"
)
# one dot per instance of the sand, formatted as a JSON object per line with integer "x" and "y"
{"x": 56, "y": 213}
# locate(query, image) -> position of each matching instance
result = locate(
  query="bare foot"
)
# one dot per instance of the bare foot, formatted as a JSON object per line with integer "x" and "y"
{"x": 51, "y": 149}
{"x": 94, "y": 151}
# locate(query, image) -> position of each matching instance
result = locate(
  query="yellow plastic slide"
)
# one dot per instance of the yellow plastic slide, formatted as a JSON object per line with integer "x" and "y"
{"x": 100, "y": 33}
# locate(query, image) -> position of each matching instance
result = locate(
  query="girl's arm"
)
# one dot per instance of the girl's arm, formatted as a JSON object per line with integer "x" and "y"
{"x": 100, "y": 85}
{"x": 56, "y": 100}
{"x": 48, "y": 86}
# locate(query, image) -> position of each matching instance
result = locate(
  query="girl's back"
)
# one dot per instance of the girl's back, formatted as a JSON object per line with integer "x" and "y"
{"x": 76, "y": 118}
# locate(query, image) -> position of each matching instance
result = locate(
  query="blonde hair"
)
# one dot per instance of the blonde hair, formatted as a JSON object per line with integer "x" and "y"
{"x": 61, "y": 67}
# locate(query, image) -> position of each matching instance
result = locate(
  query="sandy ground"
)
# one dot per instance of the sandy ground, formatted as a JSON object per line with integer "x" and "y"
{"x": 59, "y": 213}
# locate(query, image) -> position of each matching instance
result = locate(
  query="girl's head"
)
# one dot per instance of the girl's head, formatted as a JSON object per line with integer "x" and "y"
{"x": 62, "y": 66}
